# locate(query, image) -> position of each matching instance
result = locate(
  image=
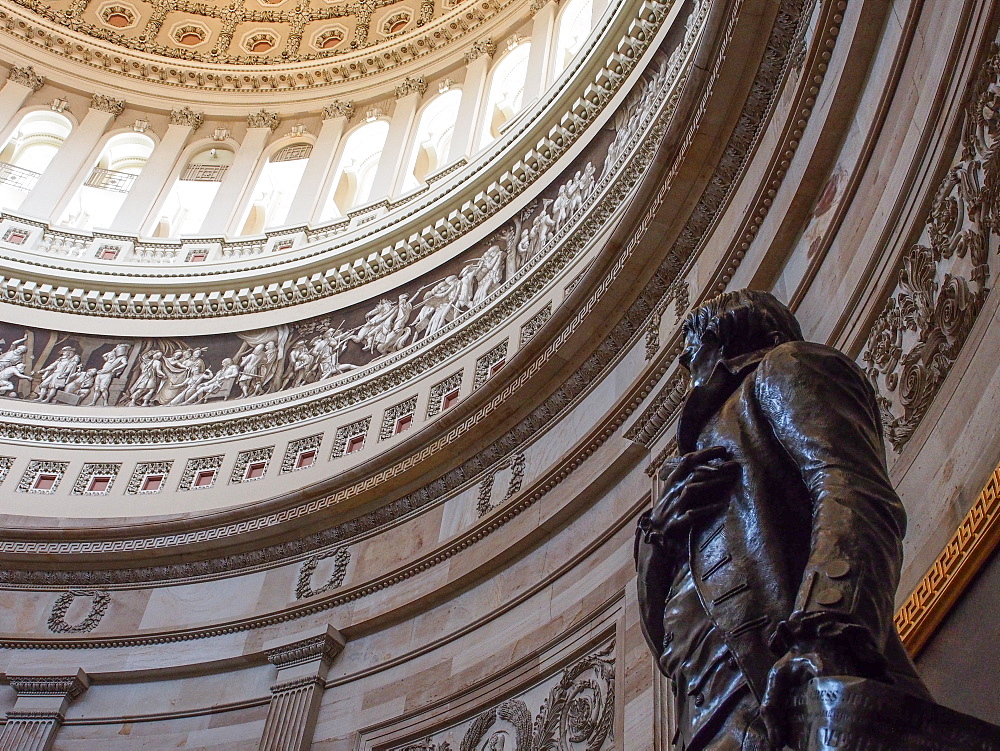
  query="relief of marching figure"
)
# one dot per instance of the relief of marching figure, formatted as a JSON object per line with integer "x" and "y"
{"x": 50, "y": 367}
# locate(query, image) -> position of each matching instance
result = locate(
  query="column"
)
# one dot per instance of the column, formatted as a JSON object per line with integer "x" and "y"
{"x": 135, "y": 209}
{"x": 229, "y": 198}
{"x": 463, "y": 138}
{"x": 20, "y": 83}
{"x": 302, "y": 665}
{"x": 67, "y": 170}
{"x": 391, "y": 164}
{"x": 39, "y": 709}
{"x": 540, "y": 56}
{"x": 308, "y": 194}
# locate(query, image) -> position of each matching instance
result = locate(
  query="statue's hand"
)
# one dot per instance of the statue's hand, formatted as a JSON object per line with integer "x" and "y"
{"x": 847, "y": 651}
{"x": 694, "y": 489}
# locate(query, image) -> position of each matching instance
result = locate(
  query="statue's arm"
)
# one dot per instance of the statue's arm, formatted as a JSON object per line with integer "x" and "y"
{"x": 655, "y": 569}
{"x": 823, "y": 413}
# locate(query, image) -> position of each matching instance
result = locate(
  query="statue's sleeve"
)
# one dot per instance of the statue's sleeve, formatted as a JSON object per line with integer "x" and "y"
{"x": 823, "y": 414}
{"x": 654, "y": 572}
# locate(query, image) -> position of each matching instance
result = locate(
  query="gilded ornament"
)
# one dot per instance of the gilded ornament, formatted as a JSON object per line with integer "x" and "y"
{"x": 263, "y": 119}
{"x": 416, "y": 85}
{"x": 186, "y": 116}
{"x": 26, "y": 76}
{"x": 336, "y": 108}
{"x": 104, "y": 103}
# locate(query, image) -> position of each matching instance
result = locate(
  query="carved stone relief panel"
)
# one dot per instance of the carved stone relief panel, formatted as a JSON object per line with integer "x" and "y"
{"x": 490, "y": 363}
{"x": 148, "y": 477}
{"x": 444, "y": 394}
{"x": 302, "y": 453}
{"x": 42, "y": 476}
{"x": 944, "y": 278}
{"x": 514, "y": 469}
{"x": 570, "y": 710}
{"x": 251, "y": 465}
{"x": 99, "y": 602}
{"x": 397, "y": 418}
{"x": 200, "y": 473}
{"x": 350, "y": 438}
{"x": 533, "y": 324}
{"x": 96, "y": 479}
{"x": 336, "y": 564}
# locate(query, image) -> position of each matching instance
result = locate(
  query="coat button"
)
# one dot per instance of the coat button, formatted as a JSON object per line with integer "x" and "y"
{"x": 829, "y": 596}
{"x": 699, "y": 699}
{"x": 838, "y": 569}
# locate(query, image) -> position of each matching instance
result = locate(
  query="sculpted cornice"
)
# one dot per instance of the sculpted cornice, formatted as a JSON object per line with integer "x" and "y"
{"x": 36, "y": 28}
{"x": 53, "y": 288}
{"x": 629, "y": 326}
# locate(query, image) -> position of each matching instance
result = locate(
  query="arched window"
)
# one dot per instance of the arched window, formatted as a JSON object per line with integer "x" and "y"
{"x": 272, "y": 195}
{"x": 572, "y": 30}
{"x": 432, "y": 138}
{"x": 28, "y": 152}
{"x": 97, "y": 201}
{"x": 352, "y": 180}
{"x": 506, "y": 91}
{"x": 189, "y": 199}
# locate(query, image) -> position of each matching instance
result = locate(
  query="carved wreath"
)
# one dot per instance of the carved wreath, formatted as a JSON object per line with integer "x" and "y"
{"x": 57, "y": 619}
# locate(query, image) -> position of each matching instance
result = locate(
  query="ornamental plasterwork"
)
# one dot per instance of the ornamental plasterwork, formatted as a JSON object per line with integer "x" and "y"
{"x": 482, "y": 47}
{"x": 294, "y": 448}
{"x": 336, "y": 108}
{"x": 91, "y": 470}
{"x": 358, "y": 428}
{"x": 440, "y": 389}
{"x": 304, "y": 585}
{"x": 26, "y": 76}
{"x": 195, "y": 467}
{"x": 290, "y": 21}
{"x": 568, "y": 709}
{"x": 487, "y": 362}
{"x": 534, "y": 324}
{"x": 333, "y": 280}
{"x": 6, "y": 462}
{"x": 144, "y": 470}
{"x": 944, "y": 277}
{"x": 37, "y": 467}
{"x": 263, "y": 119}
{"x": 185, "y": 116}
{"x": 57, "y": 618}
{"x": 245, "y": 459}
{"x": 104, "y": 103}
{"x": 411, "y": 86}
{"x": 393, "y": 413}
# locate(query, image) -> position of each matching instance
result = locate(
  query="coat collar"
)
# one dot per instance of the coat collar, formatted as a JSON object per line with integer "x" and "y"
{"x": 704, "y": 401}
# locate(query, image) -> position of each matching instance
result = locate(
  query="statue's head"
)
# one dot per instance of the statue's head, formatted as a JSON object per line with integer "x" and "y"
{"x": 734, "y": 324}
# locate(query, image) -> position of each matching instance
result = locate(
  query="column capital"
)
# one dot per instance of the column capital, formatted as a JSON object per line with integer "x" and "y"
{"x": 417, "y": 85}
{"x": 26, "y": 76}
{"x": 105, "y": 103}
{"x": 185, "y": 116}
{"x": 263, "y": 119}
{"x": 320, "y": 648}
{"x": 66, "y": 687}
{"x": 482, "y": 47}
{"x": 337, "y": 108}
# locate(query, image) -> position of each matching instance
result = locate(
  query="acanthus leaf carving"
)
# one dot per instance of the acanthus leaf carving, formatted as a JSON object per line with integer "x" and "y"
{"x": 186, "y": 116}
{"x": 26, "y": 76}
{"x": 263, "y": 119}
{"x": 105, "y": 103}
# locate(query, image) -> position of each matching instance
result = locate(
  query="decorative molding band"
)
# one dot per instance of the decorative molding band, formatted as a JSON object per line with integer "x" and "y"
{"x": 322, "y": 647}
{"x": 969, "y": 548}
{"x": 69, "y": 686}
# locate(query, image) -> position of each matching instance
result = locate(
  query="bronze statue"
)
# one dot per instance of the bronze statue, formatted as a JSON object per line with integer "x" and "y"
{"x": 772, "y": 557}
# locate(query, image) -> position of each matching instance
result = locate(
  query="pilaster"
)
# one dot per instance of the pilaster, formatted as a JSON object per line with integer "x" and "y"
{"x": 310, "y": 190}
{"x": 463, "y": 138}
{"x": 224, "y": 211}
{"x": 389, "y": 174}
{"x": 295, "y": 697}
{"x": 540, "y": 56}
{"x": 39, "y": 709}
{"x": 132, "y": 215}
{"x": 20, "y": 83}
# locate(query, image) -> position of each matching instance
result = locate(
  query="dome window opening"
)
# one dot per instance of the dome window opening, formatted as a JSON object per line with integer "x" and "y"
{"x": 99, "y": 484}
{"x": 506, "y": 92}
{"x": 204, "y": 479}
{"x": 305, "y": 459}
{"x": 96, "y": 203}
{"x": 188, "y": 202}
{"x": 403, "y": 423}
{"x": 275, "y": 189}
{"x": 45, "y": 482}
{"x": 449, "y": 400}
{"x": 432, "y": 140}
{"x": 27, "y": 154}
{"x": 355, "y": 443}
{"x": 355, "y": 172}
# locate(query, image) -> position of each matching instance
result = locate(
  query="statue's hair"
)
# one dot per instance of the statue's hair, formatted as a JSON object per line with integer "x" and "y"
{"x": 743, "y": 321}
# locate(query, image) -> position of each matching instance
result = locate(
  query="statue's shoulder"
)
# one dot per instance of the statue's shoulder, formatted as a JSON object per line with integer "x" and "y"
{"x": 805, "y": 360}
